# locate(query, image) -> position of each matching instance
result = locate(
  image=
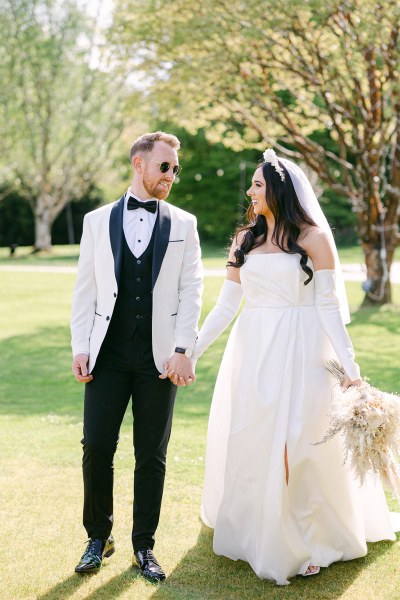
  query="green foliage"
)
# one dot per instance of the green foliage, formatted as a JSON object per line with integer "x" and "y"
{"x": 340, "y": 217}
{"x": 78, "y": 207}
{"x": 17, "y": 221}
{"x": 220, "y": 61}
{"x": 319, "y": 81}
{"x": 212, "y": 184}
{"x": 60, "y": 105}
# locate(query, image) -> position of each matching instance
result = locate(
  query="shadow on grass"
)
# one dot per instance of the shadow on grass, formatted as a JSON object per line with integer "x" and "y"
{"x": 116, "y": 585}
{"x": 386, "y": 317}
{"x": 36, "y": 374}
{"x": 201, "y": 574}
{"x": 64, "y": 589}
{"x": 36, "y": 378}
{"x": 111, "y": 589}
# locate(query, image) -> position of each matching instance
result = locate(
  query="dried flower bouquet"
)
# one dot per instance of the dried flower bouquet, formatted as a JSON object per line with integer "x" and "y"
{"x": 369, "y": 421}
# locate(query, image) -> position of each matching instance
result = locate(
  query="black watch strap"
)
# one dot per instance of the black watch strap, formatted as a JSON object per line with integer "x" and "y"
{"x": 188, "y": 352}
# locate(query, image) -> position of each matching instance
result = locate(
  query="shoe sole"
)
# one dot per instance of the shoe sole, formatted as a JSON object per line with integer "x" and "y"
{"x": 152, "y": 579}
{"x": 87, "y": 571}
{"x": 109, "y": 552}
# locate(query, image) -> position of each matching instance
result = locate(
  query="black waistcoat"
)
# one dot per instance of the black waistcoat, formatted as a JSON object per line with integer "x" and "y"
{"x": 133, "y": 307}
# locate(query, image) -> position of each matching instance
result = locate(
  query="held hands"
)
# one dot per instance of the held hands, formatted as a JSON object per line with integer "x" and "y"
{"x": 80, "y": 368}
{"x": 179, "y": 369}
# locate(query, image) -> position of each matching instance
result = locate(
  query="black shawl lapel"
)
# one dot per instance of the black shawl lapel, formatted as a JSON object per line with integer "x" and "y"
{"x": 116, "y": 233}
{"x": 161, "y": 239}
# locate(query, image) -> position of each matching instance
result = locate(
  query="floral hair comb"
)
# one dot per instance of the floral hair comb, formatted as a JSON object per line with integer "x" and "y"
{"x": 271, "y": 157}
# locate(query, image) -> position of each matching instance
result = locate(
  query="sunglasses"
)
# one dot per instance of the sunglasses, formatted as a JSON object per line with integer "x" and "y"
{"x": 166, "y": 166}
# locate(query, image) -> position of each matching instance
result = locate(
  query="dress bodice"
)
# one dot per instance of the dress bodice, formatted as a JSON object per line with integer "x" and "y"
{"x": 275, "y": 280}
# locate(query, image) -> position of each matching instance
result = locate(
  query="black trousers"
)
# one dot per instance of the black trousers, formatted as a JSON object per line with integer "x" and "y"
{"x": 125, "y": 369}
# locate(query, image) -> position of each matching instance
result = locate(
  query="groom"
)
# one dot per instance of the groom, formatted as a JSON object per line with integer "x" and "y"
{"x": 135, "y": 307}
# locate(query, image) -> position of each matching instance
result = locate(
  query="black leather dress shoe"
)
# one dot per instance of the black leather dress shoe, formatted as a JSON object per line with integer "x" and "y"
{"x": 148, "y": 565}
{"x": 93, "y": 556}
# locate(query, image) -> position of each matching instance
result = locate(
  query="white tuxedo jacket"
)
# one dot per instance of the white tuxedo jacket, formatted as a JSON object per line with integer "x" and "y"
{"x": 177, "y": 280}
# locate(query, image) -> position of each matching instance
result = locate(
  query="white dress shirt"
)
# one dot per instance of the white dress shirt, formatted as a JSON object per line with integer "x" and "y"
{"x": 138, "y": 226}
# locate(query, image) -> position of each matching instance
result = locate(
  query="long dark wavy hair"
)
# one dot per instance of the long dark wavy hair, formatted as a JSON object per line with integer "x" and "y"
{"x": 289, "y": 217}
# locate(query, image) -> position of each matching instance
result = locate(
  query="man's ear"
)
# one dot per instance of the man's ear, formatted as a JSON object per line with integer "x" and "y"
{"x": 137, "y": 164}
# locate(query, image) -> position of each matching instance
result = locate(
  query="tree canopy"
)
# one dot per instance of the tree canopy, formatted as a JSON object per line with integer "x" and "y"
{"x": 60, "y": 105}
{"x": 317, "y": 81}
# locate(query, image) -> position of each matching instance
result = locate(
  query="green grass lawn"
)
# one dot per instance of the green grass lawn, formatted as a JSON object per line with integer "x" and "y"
{"x": 213, "y": 256}
{"x": 40, "y": 472}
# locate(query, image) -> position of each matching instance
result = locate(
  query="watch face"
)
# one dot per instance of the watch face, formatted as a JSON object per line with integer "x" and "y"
{"x": 188, "y": 353}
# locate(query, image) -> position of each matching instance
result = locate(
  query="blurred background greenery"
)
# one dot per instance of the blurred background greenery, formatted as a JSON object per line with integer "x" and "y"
{"x": 320, "y": 82}
{"x": 82, "y": 78}
{"x": 212, "y": 186}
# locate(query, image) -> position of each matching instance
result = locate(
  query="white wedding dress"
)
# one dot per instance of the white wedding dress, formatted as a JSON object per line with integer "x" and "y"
{"x": 274, "y": 390}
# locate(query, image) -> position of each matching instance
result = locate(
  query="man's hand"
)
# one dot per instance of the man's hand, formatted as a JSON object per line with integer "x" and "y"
{"x": 80, "y": 368}
{"x": 179, "y": 370}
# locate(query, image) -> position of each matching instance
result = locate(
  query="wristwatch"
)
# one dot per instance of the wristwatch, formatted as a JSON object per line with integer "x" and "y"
{"x": 186, "y": 351}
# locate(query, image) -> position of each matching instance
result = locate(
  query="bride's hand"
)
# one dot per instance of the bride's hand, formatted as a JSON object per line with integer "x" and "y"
{"x": 347, "y": 382}
{"x": 172, "y": 376}
{"x": 179, "y": 370}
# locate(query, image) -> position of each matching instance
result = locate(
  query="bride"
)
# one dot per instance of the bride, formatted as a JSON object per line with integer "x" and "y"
{"x": 273, "y": 497}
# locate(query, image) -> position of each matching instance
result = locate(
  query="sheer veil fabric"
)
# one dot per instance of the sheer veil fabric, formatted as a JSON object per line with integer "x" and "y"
{"x": 310, "y": 204}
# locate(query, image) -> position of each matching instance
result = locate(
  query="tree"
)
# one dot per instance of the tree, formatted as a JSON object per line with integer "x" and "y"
{"x": 60, "y": 105}
{"x": 289, "y": 71}
{"x": 17, "y": 225}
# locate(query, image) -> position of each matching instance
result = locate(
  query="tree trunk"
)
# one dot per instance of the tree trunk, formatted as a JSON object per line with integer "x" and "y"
{"x": 377, "y": 286}
{"x": 43, "y": 223}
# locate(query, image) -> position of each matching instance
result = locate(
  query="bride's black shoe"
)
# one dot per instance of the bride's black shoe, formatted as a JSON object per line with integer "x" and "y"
{"x": 92, "y": 558}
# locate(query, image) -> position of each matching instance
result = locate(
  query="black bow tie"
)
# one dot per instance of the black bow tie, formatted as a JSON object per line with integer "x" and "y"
{"x": 133, "y": 204}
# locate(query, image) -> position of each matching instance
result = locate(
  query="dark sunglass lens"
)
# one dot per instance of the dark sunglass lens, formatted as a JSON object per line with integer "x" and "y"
{"x": 164, "y": 167}
{"x": 176, "y": 169}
